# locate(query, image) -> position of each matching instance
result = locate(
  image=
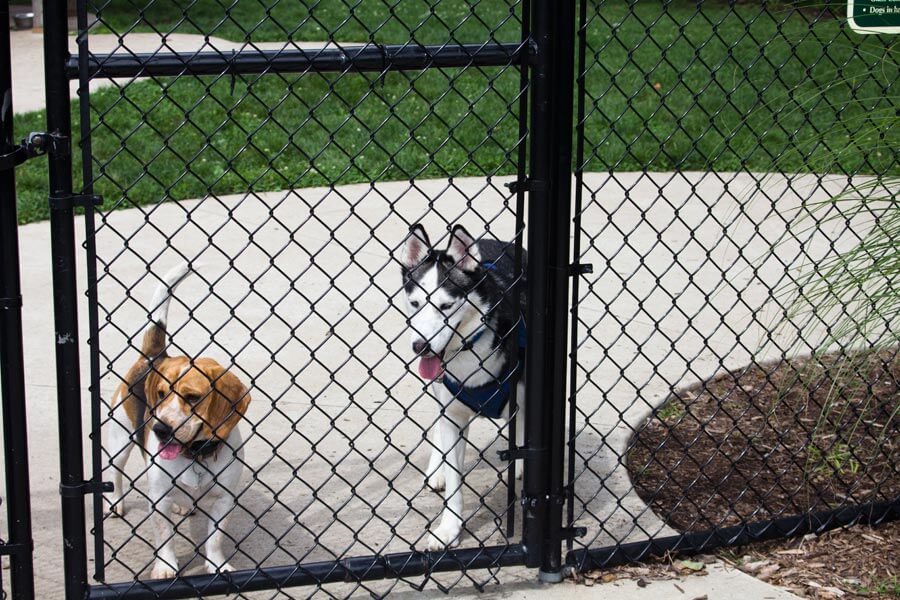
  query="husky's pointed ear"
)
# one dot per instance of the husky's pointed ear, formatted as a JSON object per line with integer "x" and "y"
{"x": 463, "y": 249}
{"x": 415, "y": 247}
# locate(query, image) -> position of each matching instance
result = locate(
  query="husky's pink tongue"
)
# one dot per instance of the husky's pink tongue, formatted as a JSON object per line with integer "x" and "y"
{"x": 430, "y": 367}
{"x": 169, "y": 451}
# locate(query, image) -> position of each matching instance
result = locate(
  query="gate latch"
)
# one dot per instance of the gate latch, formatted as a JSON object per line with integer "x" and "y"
{"x": 84, "y": 488}
{"x": 37, "y": 143}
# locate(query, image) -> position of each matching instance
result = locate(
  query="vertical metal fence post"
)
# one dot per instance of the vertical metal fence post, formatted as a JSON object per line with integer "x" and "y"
{"x": 62, "y": 229}
{"x": 553, "y": 34}
{"x": 12, "y": 366}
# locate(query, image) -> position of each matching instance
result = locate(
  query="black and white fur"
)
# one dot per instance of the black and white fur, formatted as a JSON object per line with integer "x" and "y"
{"x": 450, "y": 296}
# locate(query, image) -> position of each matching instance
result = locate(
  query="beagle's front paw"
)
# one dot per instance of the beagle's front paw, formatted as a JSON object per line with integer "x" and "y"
{"x": 445, "y": 537}
{"x": 162, "y": 570}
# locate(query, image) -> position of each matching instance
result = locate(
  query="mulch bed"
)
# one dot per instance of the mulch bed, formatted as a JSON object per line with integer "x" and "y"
{"x": 857, "y": 562}
{"x": 778, "y": 440}
{"x": 773, "y": 441}
{"x": 851, "y": 563}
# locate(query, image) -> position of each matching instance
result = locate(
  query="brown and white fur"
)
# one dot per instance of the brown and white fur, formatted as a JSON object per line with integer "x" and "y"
{"x": 183, "y": 413}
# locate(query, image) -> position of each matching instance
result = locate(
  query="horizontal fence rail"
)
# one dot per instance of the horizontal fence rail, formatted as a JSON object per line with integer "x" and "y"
{"x": 249, "y": 61}
{"x": 357, "y": 569}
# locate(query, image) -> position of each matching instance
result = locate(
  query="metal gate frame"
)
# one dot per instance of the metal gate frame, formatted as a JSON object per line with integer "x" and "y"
{"x": 545, "y": 59}
{"x": 19, "y": 544}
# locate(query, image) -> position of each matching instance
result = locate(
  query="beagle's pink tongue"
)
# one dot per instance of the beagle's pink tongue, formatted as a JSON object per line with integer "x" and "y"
{"x": 430, "y": 367}
{"x": 169, "y": 451}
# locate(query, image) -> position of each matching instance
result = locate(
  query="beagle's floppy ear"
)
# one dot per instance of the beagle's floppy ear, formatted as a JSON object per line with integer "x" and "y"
{"x": 230, "y": 401}
{"x": 416, "y": 247}
{"x": 463, "y": 249}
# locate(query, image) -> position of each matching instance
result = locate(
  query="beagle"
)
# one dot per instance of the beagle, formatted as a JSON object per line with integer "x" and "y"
{"x": 183, "y": 413}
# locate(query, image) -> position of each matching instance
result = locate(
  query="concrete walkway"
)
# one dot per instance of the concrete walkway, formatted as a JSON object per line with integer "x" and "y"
{"x": 309, "y": 258}
{"x": 28, "y": 57}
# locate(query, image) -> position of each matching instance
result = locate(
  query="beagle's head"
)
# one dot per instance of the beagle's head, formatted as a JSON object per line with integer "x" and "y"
{"x": 192, "y": 403}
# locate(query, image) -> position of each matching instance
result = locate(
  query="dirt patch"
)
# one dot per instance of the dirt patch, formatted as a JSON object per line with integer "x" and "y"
{"x": 772, "y": 441}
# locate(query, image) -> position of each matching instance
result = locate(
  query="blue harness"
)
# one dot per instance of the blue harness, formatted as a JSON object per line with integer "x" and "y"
{"x": 490, "y": 399}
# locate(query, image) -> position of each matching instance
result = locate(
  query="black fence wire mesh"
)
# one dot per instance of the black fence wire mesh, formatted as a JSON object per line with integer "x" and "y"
{"x": 695, "y": 405}
{"x": 263, "y": 163}
{"x": 298, "y": 293}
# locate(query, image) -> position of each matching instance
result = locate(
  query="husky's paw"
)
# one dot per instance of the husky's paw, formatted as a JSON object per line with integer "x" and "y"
{"x": 520, "y": 468}
{"x": 118, "y": 508}
{"x": 444, "y": 537}
{"x": 162, "y": 570}
{"x": 436, "y": 481}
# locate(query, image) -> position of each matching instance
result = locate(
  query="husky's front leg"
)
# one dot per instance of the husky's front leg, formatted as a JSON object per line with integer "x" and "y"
{"x": 520, "y": 427}
{"x": 451, "y": 429}
{"x": 434, "y": 475}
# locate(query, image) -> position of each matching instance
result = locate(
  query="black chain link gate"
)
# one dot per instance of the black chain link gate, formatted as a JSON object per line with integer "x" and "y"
{"x": 298, "y": 292}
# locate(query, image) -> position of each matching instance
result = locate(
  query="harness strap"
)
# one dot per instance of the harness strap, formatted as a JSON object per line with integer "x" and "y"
{"x": 489, "y": 399}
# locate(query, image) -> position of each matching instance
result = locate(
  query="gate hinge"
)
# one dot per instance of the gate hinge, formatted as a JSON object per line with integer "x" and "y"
{"x": 527, "y": 185}
{"x": 37, "y": 143}
{"x": 11, "y": 302}
{"x": 568, "y": 533}
{"x": 534, "y": 502}
{"x": 84, "y": 488}
{"x": 70, "y": 200}
{"x": 580, "y": 269}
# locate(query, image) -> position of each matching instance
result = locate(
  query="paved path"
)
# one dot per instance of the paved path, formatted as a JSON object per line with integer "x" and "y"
{"x": 28, "y": 57}
{"x": 677, "y": 318}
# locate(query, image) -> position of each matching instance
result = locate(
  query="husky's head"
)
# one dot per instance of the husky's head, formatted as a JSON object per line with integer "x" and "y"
{"x": 441, "y": 298}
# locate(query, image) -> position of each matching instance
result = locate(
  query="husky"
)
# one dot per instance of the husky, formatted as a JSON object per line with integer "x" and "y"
{"x": 469, "y": 334}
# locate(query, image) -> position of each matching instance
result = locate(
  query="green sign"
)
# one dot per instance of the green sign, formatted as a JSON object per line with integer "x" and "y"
{"x": 874, "y": 16}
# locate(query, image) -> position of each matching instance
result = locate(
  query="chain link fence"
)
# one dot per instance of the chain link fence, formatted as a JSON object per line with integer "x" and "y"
{"x": 711, "y": 400}
{"x": 279, "y": 155}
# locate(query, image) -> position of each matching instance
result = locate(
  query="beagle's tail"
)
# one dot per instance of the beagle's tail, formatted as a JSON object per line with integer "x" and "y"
{"x": 154, "y": 344}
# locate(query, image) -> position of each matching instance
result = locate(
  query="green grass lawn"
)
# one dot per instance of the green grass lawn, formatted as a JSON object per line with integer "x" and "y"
{"x": 670, "y": 87}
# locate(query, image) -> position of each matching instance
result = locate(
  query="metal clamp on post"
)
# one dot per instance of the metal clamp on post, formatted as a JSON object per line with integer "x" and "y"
{"x": 70, "y": 201}
{"x": 580, "y": 269}
{"x": 7, "y": 549}
{"x": 510, "y": 454}
{"x": 84, "y": 488}
{"x": 527, "y": 185}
